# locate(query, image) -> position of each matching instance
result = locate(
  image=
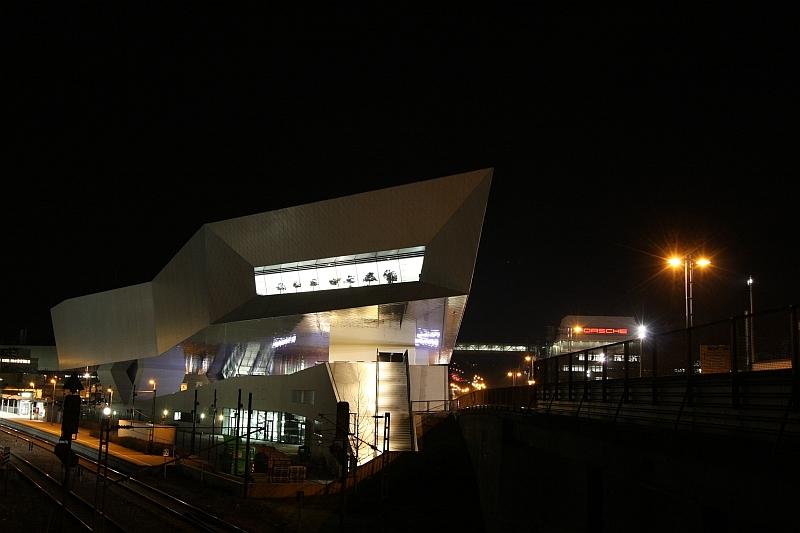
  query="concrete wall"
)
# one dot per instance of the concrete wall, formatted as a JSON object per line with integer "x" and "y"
{"x": 270, "y": 393}
{"x": 428, "y": 383}
{"x": 561, "y": 474}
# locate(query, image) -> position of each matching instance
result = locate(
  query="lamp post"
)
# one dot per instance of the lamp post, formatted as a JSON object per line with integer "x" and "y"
{"x": 751, "y": 342}
{"x": 529, "y": 359}
{"x": 153, "y": 416}
{"x": 53, "y": 406}
{"x": 33, "y": 400}
{"x": 111, "y": 397}
{"x": 688, "y": 262}
{"x": 514, "y": 375}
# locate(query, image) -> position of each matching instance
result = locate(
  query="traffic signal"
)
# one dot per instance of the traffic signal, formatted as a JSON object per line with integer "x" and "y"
{"x": 71, "y": 416}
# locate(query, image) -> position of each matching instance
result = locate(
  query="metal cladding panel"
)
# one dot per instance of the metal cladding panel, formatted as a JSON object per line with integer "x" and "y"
{"x": 180, "y": 294}
{"x": 230, "y": 278}
{"x": 397, "y": 217}
{"x": 450, "y": 255}
{"x": 105, "y": 327}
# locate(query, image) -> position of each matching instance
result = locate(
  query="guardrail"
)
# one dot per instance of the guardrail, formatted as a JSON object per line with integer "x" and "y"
{"x": 737, "y": 346}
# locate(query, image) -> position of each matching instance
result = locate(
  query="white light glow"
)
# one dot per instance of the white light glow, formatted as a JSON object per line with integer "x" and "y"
{"x": 283, "y": 341}
{"x": 427, "y": 337}
{"x": 641, "y": 331}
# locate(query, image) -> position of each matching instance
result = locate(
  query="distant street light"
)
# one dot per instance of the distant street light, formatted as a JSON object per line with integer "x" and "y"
{"x": 529, "y": 360}
{"x": 514, "y": 375}
{"x": 689, "y": 262}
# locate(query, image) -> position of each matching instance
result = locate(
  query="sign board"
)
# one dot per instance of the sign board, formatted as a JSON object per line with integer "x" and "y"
{"x": 715, "y": 358}
{"x": 604, "y": 331}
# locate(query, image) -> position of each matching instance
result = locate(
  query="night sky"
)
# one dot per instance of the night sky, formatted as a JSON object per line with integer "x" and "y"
{"x": 615, "y": 138}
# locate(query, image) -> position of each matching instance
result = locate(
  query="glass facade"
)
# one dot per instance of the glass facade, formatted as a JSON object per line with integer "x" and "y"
{"x": 361, "y": 270}
{"x": 271, "y": 426}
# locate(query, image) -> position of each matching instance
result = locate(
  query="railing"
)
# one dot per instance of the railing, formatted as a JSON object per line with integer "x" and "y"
{"x": 432, "y": 406}
{"x": 737, "y": 346}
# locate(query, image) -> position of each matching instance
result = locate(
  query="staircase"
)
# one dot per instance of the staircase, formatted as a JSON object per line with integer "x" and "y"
{"x": 393, "y": 398}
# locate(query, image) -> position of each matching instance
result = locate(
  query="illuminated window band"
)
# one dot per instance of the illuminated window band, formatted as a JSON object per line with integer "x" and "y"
{"x": 361, "y": 270}
{"x": 491, "y": 348}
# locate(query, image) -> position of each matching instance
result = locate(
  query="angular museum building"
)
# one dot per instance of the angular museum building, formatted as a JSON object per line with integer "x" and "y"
{"x": 355, "y": 299}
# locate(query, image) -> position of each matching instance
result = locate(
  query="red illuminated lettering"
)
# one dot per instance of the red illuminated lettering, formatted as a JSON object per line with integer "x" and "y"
{"x": 606, "y": 331}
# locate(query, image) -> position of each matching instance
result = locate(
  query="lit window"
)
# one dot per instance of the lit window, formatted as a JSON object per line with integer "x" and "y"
{"x": 363, "y": 270}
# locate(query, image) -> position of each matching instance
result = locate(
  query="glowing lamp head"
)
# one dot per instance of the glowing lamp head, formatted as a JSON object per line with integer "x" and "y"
{"x": 166, "y": 412}
{"x": 202, "y": 416}
{"x": 109, "y": 390}
{"x": 750, "y": 281}
{"x": 106, "y": 411}
{"x": 31, "y": 384}
{"x": 152, "y": 382}
{"x": 509, "y": 374}
{"x": 641, "y": 331}
{"x": 528, "y": 358}
{"x": 53, "y": 381}
{"x": 703, "y": 262}
{"x": 674, "y": 262}
{"x": 577, "y": 329}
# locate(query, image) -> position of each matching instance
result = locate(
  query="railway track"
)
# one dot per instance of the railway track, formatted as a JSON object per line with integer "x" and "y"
{"x": 105, "y": 499}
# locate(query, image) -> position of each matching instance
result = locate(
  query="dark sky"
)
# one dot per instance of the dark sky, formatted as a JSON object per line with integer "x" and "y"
{"x": 614, "y": 137}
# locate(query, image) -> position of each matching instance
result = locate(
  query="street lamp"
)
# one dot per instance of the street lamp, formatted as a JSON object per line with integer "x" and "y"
{"x": 751, "y": 343}
{"x": 33, "y": 400}
{"x": 111, "y": 398}
{"x": 153, "y": 383}
{"x": 688, "y": 262}
{"x": 153, "y": 416}
{"x": 514, "y": 376}
{"x": 53, "y": 406}
{"x": 529, "y": 359}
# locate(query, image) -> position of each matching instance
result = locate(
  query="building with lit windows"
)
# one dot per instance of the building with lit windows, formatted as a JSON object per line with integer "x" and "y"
{"x": 580, "y": 332}
{"x": 577, "y": 333}
{"x": 355, "y": 299}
